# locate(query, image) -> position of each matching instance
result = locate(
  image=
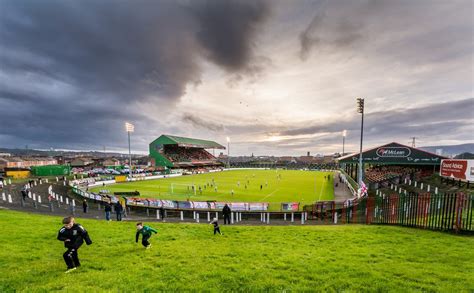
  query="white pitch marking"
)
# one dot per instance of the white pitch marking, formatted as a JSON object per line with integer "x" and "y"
{"x": 321, "y": 192}
{"x": 270, "y": 194}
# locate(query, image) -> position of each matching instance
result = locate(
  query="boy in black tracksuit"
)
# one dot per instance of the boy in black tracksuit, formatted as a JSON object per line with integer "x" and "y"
{"x": 73, "y": 236}
{"x": 216, "y": 226}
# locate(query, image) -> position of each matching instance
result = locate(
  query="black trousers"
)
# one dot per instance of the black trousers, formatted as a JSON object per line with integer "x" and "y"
{"x": 226, "y": 219}
{"x": 217, "y": 230}
{"x": 145, "y": 240}
{"x": 71, "y": 258}
{"x": 119, "y": 216}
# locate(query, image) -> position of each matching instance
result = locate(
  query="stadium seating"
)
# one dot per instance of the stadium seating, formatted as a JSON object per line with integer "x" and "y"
{"x": 195, "y": 156}
{"x": 383, "y": 173}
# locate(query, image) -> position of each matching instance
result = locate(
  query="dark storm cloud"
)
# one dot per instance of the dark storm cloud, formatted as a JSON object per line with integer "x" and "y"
{"x": 84, "y": 66}
{"x": 226, "y": 29}
{"x": 450, "y": 119}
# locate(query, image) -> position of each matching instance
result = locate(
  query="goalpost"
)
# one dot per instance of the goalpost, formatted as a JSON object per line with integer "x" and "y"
{"x": 183, "y": 188}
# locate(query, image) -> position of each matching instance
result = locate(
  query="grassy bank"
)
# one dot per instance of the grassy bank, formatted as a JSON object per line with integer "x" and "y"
{"x": 188, "y": 256}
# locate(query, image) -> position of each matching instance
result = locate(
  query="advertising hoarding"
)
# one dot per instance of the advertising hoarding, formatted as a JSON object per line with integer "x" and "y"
{"x": 457, "y": 169}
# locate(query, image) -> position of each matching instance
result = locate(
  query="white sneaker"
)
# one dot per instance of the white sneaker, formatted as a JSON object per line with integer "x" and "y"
{"x": 70, "y": 270}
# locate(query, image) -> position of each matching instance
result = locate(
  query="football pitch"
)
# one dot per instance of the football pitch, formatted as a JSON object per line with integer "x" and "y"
{"x": 271, "y": 186}
{"x": 187, "y": 257}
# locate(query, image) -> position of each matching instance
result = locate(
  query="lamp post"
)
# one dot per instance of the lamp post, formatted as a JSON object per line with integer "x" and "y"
{"x": 360, "y": 109}
{"x": 344, "y": 133}
{"x": 228, "y": 152}
{"x": 130, "y": 128}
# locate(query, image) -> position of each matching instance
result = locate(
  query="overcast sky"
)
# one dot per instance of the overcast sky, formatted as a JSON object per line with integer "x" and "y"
{"x": 277, "y": 77}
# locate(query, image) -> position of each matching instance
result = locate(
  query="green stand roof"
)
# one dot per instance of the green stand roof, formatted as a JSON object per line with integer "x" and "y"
{"x": 157, "y": 147}
{"x": 187, "y": 142}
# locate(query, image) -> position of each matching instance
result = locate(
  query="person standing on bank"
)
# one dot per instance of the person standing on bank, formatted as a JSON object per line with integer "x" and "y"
{"x": 24, "y": 193}
{"x": 118, "y": 210}
{"x": 162, "y": 213}
{"x": 226, "y": 212}
{"x": 107, "y": 209}
{"x": 73, "y": 236}
{"x": 85, "y": 206}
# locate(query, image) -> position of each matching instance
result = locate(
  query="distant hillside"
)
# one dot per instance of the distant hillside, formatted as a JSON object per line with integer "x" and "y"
{"x": 451, "y": 150}
{"x": 467, "y": 156}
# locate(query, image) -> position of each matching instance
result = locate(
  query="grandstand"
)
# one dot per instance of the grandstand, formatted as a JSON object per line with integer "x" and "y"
{"x": 391, "y": 163}
{"x": 168, "y": 151}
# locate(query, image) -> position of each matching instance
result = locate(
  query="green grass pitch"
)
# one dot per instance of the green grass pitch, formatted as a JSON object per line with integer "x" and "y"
{"x": 278, "y": 186}
{"x": 351, "y": 258}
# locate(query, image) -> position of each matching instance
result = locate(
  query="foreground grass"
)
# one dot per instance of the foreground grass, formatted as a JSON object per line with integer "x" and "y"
{"x": 279, "y": 186}
{"x": 188, "y": 256}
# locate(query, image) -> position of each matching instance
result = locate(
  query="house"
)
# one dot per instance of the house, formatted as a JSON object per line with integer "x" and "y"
{"x": 81, "y": 162}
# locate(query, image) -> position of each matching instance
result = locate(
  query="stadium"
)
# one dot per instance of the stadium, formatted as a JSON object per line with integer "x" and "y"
{"x": 249, "y": 160}
{"x": 186, "y": 187}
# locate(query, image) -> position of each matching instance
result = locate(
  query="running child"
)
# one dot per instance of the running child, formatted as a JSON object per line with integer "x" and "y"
{"x": 73, "y": 236}
{"x": 146, "y": 234}
{"x": 216, "y": 226}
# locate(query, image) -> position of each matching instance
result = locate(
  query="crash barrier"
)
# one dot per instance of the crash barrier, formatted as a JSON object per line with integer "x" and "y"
{"x": 199, "y": 216}
{"x": 201, "y": 211}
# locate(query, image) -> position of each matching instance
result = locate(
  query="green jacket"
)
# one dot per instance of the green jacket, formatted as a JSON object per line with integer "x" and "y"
{"x": 145, "y": 231}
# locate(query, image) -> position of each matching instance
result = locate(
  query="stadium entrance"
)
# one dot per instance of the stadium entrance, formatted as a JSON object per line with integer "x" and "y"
{"x": 169, "y": 151}
{"x": 391, "y": 163}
